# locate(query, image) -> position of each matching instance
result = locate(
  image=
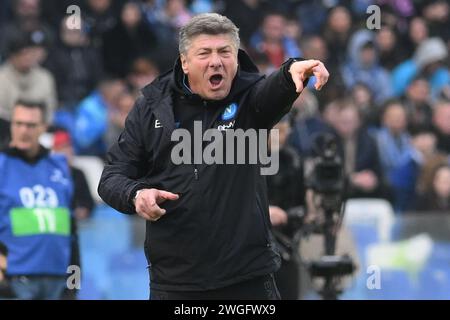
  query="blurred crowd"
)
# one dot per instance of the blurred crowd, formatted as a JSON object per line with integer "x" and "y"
{"x": 387, "y": 101}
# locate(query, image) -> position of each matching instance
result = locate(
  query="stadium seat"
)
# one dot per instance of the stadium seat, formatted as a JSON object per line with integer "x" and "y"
{"x": 92, "y": 168}
{"x": 375, "y": 212}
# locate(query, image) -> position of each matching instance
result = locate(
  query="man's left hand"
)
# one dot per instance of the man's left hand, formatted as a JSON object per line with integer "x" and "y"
{"x": 302, "y": 70}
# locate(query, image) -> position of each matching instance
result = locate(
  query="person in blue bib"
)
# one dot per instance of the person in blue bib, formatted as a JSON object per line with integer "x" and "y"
{"x": 35, "y": 196}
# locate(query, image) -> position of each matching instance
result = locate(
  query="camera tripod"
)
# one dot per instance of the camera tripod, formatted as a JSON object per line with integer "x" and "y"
{"x": 331, "y": 267}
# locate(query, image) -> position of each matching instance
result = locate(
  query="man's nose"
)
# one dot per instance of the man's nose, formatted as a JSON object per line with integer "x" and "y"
{"x": 216, "y": 61}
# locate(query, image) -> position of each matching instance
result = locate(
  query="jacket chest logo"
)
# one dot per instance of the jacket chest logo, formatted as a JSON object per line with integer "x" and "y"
{"x": 230, "y": 112}
{"x": 226, "y": 126}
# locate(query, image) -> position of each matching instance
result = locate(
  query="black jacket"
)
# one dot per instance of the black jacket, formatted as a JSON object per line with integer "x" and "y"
{"x": 218, "y": 232}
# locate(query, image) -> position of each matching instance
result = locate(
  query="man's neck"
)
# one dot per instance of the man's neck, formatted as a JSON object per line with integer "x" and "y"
{"x": 30, "y": 155}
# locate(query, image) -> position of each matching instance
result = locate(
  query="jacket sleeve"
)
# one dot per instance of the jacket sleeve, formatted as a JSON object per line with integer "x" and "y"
{"x": 273, "y": 96}
{"x": 127, "y": 162}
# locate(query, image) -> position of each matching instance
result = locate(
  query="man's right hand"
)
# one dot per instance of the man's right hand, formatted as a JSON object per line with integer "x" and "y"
{"x": 147, "y": 201}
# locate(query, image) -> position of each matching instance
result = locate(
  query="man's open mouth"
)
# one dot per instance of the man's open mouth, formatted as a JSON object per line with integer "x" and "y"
{"x": 215, "y": 80}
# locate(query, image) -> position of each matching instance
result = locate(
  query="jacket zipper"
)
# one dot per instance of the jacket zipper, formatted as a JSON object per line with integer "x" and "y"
{"x": 205, "y": 104}
{"x": 195, "y": 172}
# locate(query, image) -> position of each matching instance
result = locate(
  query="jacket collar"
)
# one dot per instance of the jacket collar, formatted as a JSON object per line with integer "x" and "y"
{"x": 17, "y": 153}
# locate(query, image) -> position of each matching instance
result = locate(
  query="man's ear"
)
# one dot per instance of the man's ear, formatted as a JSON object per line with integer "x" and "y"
{"x": 184, "y": 63}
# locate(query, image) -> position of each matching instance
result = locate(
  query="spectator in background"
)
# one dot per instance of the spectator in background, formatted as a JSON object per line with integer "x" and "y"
{"x": 99, "y": 17}
{"x": 166, "y": 18}
{"x": 441, "y": 123}
{"x": 315, "y": 46}
{"x": 36, "y": 188}
{"x": 425, "y": 142}
{"x": 272, "y": 41}
{"x": 129, "y": 39}
{"x": 156, "y": 15}
{"x": 27, "y": 20}
{"x": 286, "y": 193}
{"x": 82, "y": 201}
{"x": 397, "y": 155}
{"x": 293, "y": 29}
{"x": 246, "y": 14}
{"x": 362, "y": 66}
{"x": 437, "y": 196}
{"x": 389, "y": 52}
{"x": 362, "y": 98}
{"x": 92, "y": 117}
{"x": 117, "y": 115}
{"x": 311, "y": 14}
{"x": 416, "y": 102}
{"x": 54, "y": 11}
{"x": 176, "y": 14}
{"x": 429, "y": 61}
{"x": 437, "y": 16}
{"x": 21, "y": 77}
{"x": 416, "y": 34}
{"x": 337, "y": 32}
{"x": 359, "y": 153}
{"x": 75, "y": 64}
{"x": 143, "y": 71}
{"x": 263, "y": 63}
{"x": 304, "y": 128}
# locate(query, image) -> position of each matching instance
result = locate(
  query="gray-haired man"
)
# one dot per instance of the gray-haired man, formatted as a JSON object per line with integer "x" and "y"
{"x": 208, "y": 228}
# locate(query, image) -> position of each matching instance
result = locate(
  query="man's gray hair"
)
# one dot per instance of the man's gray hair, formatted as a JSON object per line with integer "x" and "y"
{"x": 207, "y": 23}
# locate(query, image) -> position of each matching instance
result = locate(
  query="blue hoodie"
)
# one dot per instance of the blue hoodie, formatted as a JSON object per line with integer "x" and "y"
{"x": 374, "y": 76}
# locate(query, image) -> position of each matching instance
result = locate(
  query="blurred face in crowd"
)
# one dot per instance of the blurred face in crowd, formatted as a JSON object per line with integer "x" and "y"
{"x": 361, "y": 95}
{"x": 99, "y": 6}
{"x": 25, "y": 59}
{"x": 125, "y": 103}
{"x": 330, "y": 113}
{"x": 28, "y": 8}
{"x": 112, "y": 90}
{"x": 348, "y": 122}
{"x": 425, "y": 143}
{"x": 437, "y": 11}
{"x": 210, "y": 63}
{"x": 418, "y": 91}
{"x": 274, "y": 27}
{"x": 441, "y": 182}
{"x": 441, "y": 117}
{"x": 418, "y": 30}
{"x": 394, "y": 118}
{"x": 27, "y": 125}
{"x": 293, "y": 29}
{"x": 175, "y": 7}
{"x": 131, "y": 15}
{"x": 316, "y": 48}
{"x": 367, "y": 56}
{"x": 142, "y": 73}
{"x": 72, "y": 37}
{"x": 339, "y": 20}
{"x": 386, "y": 39}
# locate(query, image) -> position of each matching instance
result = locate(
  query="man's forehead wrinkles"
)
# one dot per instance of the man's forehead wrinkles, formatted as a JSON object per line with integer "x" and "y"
{"x": 221, "y": 47}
